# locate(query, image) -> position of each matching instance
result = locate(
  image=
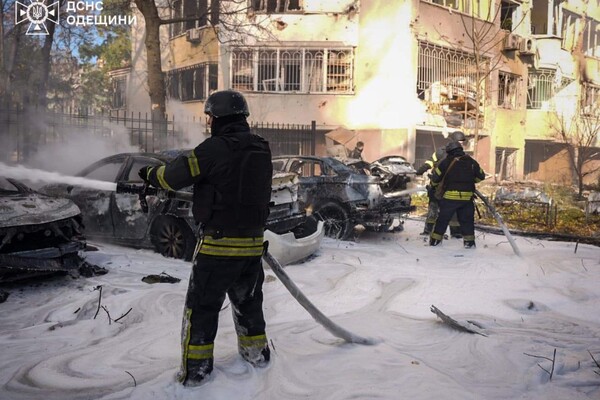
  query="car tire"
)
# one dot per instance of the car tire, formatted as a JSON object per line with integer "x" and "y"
{"x": 172, "y": 237}
{"x": 336, "y": 220}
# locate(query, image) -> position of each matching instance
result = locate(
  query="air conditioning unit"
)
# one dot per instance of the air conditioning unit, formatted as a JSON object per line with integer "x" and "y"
{"x": 527, "y": 46}
{"x": 193, "y": 35}
{"x": 511, "y": 42}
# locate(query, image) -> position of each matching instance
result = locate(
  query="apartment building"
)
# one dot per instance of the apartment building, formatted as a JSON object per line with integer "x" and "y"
{"x": 397, "y": 75}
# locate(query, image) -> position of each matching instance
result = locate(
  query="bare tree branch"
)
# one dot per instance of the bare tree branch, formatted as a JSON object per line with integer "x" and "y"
{"x": 553, "y": 360}
{"x": 99, "y": 287}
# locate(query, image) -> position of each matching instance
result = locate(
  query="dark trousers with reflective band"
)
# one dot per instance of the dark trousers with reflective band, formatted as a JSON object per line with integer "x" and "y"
{"x": 433, "y": 211}
{"x": 213, "y": 277}
{"x": 465, "y": 213}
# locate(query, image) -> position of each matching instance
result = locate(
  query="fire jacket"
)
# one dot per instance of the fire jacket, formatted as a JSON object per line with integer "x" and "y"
{"x": 459, "y": 179}
{"x": 231, "y": 175}
{"x": 433, "y": 161}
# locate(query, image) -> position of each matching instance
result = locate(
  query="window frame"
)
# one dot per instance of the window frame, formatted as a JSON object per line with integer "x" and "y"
{"x": 303, "y": 70}
{"x": 119, "y": 92}
{"x": 505, "y": 79}
{"x": 204, "y": 78}
{"x": 275, "y": 6}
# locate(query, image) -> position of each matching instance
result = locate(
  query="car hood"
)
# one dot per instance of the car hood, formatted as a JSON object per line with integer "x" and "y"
{"x": 34, "y": 208}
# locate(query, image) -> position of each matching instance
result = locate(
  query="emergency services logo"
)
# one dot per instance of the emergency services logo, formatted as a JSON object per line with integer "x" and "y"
{"x": 37, "y": 13}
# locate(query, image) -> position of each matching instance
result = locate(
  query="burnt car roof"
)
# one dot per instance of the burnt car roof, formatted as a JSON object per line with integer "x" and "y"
{"x": 333, "y": 162}
{"x": 24, "y": 206}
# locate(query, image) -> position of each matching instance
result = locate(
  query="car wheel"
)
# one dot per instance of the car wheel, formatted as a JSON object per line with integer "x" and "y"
{"x": 172, "y": 237}
{"x": 335, "y": 219}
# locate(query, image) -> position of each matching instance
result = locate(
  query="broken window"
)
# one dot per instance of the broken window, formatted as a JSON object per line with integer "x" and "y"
{"x": 508, "y": 90}
{"x": 107, "y": 172}
{"x": 276, "y": 6}
{"x": 590, "y": 99}
{"x": 542, "y": 86}
{"x": 448, "y": 84}
{"x": 506, "y": 163}
{"x": 293, "y": 70}
{"x": 569, "y": 30}
{"x": 192, "y": 83}
{"x": 546, "y": 20}
{"x": 177, "y": 12}
{"x": 591, "y": 38}
{"x": 509, "y": 15}
{"x": 195, "y": 11}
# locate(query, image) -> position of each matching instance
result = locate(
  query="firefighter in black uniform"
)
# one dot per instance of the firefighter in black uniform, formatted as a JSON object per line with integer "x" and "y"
{"x": 231, "y": 175}
{"x": 432, "y": 206}
{"x": 458, "y": 173}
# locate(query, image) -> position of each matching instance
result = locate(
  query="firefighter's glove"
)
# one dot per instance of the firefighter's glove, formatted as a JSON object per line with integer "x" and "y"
{"x": 422, "y": 169}
{"x": 144, "y": 173}
{"x": 430, "y": 191}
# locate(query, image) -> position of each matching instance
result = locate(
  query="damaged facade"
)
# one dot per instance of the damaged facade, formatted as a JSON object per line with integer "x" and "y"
{"x": 398, "y": 76}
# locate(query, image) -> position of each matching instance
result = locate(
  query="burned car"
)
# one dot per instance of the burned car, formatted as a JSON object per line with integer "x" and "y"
{"x": 344, "y": 197}
{"x": 39, "y": 235}
{"x": 394, "y": 172}
{"x": 168, "y": 225}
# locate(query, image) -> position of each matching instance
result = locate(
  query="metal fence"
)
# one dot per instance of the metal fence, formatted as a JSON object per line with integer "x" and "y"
{"x": 26, "y": 131}
{"x": 286, "y": 139}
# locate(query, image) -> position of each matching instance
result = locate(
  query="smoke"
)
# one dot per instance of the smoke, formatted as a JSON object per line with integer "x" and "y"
{"x": 66, "y": 144}
{"x": 75, "y": 148}
{"x": 191, "y": 123}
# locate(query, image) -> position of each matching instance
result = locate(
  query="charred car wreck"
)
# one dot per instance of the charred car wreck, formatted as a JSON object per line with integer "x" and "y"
{"x": 39, "y": 235}
{"x": 161, "y": 222}
{"x": 343, "y": 196}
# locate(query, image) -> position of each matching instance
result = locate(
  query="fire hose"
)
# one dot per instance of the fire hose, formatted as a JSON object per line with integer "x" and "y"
{"x": 145, "y": 190}
{"x": 500, "y": 222}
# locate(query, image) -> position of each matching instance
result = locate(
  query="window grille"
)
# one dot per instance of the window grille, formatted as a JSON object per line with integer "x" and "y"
{"x": 446, "y": 74}
{"x": 293, "y": 70}
{"x": 276, "y": 6}
{"x": 192, "y": 83}
{"x": 508, "y": 90}
{"x": 542, "y": 85}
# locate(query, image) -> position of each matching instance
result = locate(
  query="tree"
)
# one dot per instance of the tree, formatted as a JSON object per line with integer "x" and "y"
{"x": 580, "y": 131}
{"x": 27, "y": 61}
{"x": 483, "y": 36}
{"x": 577, "y": 124}
{"x": 98, "y": 58}
{"x": 225, "y": 21}
{"x": 156, "y": 81}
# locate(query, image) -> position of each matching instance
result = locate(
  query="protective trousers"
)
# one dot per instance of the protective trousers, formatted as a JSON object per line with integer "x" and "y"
{"x": 433, "y": 211}
{"x": 465, "y": 212}
{"x": 241, "y": 278}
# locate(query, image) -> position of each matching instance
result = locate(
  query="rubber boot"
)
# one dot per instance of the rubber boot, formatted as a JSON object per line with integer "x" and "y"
{"x": 469, "y": 244}
{"x": 434, "y": 242}
{"x": 428, "y": 228}
{"x": 197, "y": 372}
{"x": 257, "y": 357}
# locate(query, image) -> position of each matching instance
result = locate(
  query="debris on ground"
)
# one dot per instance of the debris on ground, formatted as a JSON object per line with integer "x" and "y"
{"x": 162, "y": 278}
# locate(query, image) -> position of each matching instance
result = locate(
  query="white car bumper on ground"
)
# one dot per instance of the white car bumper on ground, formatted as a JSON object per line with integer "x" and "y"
{"x": 288, "y": 249}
